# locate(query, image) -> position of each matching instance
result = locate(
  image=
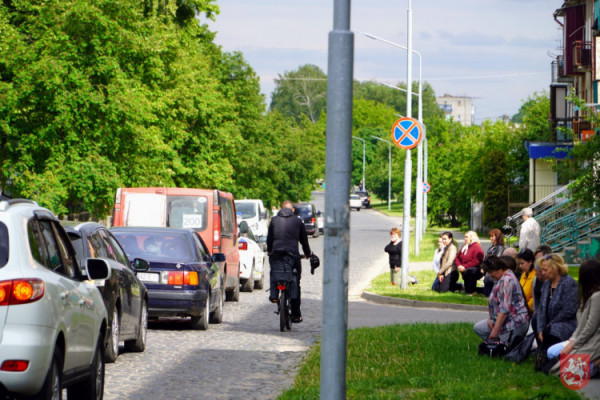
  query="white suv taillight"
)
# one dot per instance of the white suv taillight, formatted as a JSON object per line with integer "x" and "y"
{"x": 21, "y": 291}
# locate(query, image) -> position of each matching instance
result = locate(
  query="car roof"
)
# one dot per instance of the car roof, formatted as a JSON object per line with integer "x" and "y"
{"x": 151, "y": 229}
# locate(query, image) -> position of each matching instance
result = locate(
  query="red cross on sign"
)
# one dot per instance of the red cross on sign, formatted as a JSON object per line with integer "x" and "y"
{"x": 407, "y": 133}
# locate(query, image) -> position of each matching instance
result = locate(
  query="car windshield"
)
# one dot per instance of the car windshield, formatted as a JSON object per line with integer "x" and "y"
{"x": 248, "y": 210}
{"x": 3, "y": 245}
{"x": 303, "y": 211}
{"x": 155, "y": 245}
{"x": 354, "y": 197}
{"x": 187, "y": 212}
{"x": 362, "y": 194}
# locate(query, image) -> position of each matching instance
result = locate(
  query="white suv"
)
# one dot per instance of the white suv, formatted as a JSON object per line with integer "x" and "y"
{"x": 52, "y": 322}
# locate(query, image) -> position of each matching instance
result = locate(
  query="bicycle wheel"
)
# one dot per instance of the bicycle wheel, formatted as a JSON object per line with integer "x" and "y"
{"x": 288, "y": 308}
{"x": 283, "y": 310}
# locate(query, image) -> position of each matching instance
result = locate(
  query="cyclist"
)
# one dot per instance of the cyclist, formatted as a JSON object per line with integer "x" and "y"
{"x": 285, "y": 232}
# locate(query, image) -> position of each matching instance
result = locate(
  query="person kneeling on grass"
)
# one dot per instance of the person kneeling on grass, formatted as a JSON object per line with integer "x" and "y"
{"x": 586, "y": 338}
{"x": 509, "y": 317}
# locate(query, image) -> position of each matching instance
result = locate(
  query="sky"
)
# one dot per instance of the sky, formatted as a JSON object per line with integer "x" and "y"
{"x": 498, "y": 52}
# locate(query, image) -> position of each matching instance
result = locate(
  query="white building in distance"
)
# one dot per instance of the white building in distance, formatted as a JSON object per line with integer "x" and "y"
{"x": 459, "y": 108}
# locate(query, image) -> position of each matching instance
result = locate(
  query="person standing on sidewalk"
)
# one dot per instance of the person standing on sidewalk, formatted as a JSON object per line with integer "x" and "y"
{"x": 394, "y": 249}
{"x": 437, "y": 258}
{"x": 529, "y": 236}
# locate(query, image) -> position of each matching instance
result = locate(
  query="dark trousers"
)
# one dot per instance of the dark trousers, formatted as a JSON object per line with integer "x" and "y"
{"x": 471, "y": 276}
{"x": 449, "y": 283}
{"x": 294, "y": 291}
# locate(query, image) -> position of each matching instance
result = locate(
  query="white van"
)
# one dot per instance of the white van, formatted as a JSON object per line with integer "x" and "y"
{"x": 254, "y": 213}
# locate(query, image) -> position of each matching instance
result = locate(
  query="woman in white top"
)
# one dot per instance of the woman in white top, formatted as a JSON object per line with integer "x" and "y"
{"x": 437, "y": 258}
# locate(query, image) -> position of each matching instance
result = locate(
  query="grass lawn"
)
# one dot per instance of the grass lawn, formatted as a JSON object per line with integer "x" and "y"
{"x": 422, "y": 291}
{"x": 426, "y": 361}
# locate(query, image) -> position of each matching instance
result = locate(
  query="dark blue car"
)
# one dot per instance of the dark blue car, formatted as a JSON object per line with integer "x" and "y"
{"x": 184, "y": 279}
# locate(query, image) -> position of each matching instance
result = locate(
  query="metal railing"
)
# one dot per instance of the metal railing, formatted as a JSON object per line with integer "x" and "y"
{"x": 562, "y": 221}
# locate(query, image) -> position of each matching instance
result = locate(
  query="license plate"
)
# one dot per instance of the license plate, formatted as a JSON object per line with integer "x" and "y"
{"x": 147, "y": 277}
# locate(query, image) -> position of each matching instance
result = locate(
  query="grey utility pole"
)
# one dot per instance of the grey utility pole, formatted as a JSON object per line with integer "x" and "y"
{"x": 408, "y": 162}
{"x": 338, "y": 169}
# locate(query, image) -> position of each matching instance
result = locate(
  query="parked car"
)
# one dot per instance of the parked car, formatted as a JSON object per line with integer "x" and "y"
{"x": 53, "y": 322}
{"x": 125, "y": 296}
{"x": 209, "y": 212}
{"x": 252, "y": 259}
{"x": 320, "y": 221}
{"x": 308, "y": 214}
{"x": 355, "y": 202}
{"x": 364, "y": 197}
{"x": 183, "y": 280}
{"x": 255, "y": 214}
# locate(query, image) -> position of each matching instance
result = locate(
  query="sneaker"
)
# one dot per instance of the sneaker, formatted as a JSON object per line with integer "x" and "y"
{"x": 296, "y": 320}
{"x": 272, "y": 300}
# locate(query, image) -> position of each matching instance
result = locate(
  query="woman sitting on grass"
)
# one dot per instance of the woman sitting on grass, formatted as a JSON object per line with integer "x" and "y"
{"x": 447, "y": 272}
{"x": 527, "y": 267}
{"x": 468, "y": 260}
{"x": 509, "y": 318}
{"x": 556, "y": 315}
{"x": 586, "y": 339}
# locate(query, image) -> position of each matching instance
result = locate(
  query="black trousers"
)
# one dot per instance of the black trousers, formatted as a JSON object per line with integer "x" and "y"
{"x": 295, "y": 298}
{"x": 471, "y": 276}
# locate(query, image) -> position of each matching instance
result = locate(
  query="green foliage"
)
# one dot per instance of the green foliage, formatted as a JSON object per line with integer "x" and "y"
{"x": 582, "y": 168}
{"x": 495, "y": 188}
{"x": 95, "y": 95}
{"x": 301, "y": 92}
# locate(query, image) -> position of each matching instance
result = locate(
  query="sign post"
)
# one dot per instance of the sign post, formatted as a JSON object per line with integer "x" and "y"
{"x": 406, "y": 134}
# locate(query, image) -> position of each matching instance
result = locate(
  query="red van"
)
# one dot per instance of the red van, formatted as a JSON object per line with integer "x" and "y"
{"x": 210, "y": 212}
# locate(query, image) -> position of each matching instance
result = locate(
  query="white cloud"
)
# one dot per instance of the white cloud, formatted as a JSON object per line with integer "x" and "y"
{"x": 493, "y": 50}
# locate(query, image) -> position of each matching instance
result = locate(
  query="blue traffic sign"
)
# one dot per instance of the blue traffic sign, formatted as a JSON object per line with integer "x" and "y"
{"x": 407, "y": 133}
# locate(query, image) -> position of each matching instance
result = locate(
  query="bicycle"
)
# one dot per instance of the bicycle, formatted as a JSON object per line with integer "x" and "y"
{"x": 283, "y": 275}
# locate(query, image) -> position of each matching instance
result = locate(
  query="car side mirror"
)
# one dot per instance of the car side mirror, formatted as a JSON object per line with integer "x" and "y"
{"x": 218, "y": 257}
{"x": 97, "y": 269}
{"x": 319, "y": 213}
{"x": 263, "y": 215}
{"x": 140, "y": 265}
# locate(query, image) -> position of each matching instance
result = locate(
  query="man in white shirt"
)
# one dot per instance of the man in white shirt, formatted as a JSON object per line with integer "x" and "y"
{"x": 529, "y": 237}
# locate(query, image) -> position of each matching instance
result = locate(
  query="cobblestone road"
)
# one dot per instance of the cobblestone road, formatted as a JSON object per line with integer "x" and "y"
{"x": 247, "y": 357}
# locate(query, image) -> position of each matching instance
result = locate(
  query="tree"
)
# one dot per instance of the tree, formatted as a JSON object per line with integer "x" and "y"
{"x": 495, "y": 188}
{"x": 301, "y": 92}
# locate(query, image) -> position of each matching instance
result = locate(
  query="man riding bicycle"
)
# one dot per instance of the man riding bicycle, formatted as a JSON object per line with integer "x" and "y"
{"x": 285, "y": 231}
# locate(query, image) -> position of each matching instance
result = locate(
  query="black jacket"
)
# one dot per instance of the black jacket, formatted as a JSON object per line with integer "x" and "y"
{"x": 285, "y": 231}
{"x": 395, "y": 252}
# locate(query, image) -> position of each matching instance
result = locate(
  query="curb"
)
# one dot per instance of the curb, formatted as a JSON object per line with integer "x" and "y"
{"x": 375, "y": 298}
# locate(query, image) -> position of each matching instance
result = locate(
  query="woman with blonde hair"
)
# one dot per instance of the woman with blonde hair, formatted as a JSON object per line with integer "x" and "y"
{"x": 468, "y": 261}
{"x": 556, "y": 316}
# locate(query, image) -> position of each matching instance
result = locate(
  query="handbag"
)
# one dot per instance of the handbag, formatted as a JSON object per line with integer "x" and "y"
{"x": 492, "y": 349}
{"x": 521, "y": 350}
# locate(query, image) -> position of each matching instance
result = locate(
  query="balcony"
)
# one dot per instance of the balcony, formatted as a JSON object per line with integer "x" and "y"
{"x": 582, "y": 56}
{"x": 558, "y": 71}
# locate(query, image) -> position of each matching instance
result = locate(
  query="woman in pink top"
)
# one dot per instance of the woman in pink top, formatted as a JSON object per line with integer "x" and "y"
{"x": 468, "y": 260}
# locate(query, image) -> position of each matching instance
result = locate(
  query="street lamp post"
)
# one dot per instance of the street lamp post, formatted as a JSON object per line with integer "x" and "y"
{"x": 364, "y": 182}
{"x": 389, "y": 171}
{"x": 419, "y": 220}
